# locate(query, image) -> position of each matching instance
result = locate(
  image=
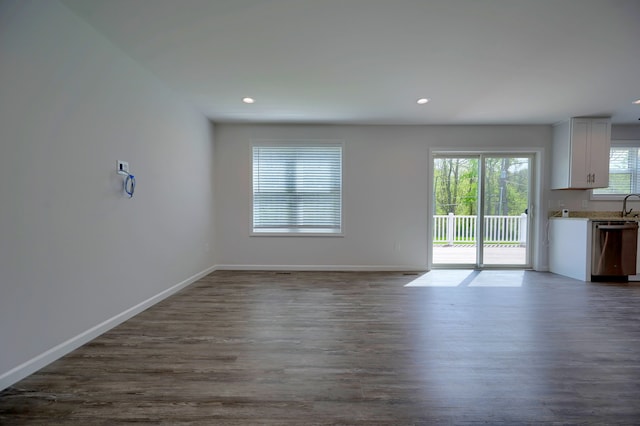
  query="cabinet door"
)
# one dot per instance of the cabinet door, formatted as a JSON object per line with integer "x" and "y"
{"x": 599, "y": 147}
{"x": 580, "y": 159}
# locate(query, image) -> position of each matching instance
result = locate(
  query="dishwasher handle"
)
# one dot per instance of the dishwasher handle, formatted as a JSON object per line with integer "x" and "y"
{"x": 617, "y": 227}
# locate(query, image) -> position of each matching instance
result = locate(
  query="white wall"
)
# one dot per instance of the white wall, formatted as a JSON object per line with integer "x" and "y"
{"x": 579, "y": 200}
{"x": 385, "y": 184}
{"x": 74, "y": 252}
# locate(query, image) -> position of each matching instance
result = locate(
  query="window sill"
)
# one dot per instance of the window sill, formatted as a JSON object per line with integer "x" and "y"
{"x": 296, "y": 233}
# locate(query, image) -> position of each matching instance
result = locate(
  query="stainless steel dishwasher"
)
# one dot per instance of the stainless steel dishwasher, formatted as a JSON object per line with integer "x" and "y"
{"x": 614, "y": 249}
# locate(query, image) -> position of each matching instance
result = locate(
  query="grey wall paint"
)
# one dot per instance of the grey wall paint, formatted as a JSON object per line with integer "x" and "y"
{"x": 625, "y": 132}
{"x": 386, "y": 192}
{"x": 74, "y": 251}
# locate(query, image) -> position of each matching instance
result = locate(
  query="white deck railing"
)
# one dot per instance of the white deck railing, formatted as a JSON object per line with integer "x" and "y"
{"x": 452, "y": 229}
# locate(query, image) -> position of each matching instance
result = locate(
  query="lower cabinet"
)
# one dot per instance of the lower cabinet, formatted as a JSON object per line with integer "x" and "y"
{"x": 570, "y": 247}
{"x": 637, "y": 276}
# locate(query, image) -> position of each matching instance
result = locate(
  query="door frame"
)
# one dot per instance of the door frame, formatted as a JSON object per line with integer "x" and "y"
{"x": 535, "y": 197}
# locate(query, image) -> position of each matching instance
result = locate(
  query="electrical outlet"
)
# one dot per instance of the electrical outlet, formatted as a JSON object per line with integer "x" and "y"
{"x": 585, "y": 204}
{"x": 122, "y": 167}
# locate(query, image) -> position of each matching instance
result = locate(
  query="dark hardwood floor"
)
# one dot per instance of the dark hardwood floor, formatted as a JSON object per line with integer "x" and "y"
{"x": 243, "y": 348}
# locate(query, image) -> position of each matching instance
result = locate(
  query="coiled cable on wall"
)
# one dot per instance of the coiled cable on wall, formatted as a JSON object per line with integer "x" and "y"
{"x": 130, "y": 185}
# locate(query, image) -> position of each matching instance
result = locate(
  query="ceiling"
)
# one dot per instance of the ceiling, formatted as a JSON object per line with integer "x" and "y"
{"x": 368, "y": 61}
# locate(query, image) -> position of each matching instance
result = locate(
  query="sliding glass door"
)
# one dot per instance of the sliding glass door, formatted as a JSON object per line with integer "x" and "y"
{"x": 481, "y": 210}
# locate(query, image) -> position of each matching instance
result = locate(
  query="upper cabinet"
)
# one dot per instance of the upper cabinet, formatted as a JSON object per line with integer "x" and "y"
{"x": 580, "y": 153}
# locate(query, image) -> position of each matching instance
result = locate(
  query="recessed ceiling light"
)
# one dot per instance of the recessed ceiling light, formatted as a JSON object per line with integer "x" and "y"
{"x": 422, "y": 101}
{"x": 637, "y": 102}
{"x": 248, "y": 100}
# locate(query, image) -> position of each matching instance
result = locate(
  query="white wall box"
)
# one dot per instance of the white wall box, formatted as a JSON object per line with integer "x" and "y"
{"x": 580, "y": 153}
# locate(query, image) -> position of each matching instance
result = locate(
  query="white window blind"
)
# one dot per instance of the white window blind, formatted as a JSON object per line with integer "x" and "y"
{"x": 297, "y": 188}
{"x": 624, "y": 173}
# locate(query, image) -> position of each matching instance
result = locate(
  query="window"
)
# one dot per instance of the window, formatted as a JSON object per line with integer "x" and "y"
{"x": 624, "y": 171}
{"x": 297, "y": 188}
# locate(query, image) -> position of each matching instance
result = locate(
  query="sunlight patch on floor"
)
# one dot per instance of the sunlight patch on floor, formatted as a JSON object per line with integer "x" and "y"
{"x": 441, "y": 278}
{"x": 469, "y": 278}
{"x": 498, "y": 279}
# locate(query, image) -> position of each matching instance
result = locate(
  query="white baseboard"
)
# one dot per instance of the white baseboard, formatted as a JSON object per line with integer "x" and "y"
{"x": 334, "y": 268}
{"x": 31, "y": 366}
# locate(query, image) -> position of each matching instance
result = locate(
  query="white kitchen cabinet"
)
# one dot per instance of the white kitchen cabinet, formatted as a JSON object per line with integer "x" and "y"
{"x": 570, "y": 247}
{"x": 580, "y": 153}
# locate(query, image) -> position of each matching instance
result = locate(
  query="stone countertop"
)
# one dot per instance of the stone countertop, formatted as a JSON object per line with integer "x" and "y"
{"x": 618, "y": 218}
{"x": 593, "y": 215}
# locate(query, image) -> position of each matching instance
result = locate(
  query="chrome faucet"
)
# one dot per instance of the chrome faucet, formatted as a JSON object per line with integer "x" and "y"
{"x": 624, "y": 205}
